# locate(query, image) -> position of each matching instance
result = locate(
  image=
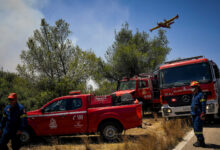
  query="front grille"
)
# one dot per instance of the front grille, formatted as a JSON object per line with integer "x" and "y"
{"x": 182, "y": 113}
{"x": 181, "y": 100}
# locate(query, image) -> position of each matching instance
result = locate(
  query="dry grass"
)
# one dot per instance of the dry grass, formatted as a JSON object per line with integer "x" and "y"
{"x": 172, "y": 132}
{"x": 157, "y": 134}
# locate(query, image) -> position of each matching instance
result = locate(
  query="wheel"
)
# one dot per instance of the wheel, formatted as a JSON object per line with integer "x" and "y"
{"x": 111, "y": 132}
{"x": 25, "y": 137}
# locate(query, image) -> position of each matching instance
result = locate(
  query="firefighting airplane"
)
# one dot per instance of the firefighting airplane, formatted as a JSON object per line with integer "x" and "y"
{"x": 165, "y": 24}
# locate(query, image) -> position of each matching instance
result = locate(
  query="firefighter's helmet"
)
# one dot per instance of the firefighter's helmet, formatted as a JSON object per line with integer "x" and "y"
{"x": 12, "y": 96}
{"x": 194, "y": 83}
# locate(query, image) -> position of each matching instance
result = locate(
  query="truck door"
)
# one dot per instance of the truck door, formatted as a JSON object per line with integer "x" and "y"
{"x": 144, "y": 91}
{"x": 51, "y": 122}
{"x": 65, "y": 116}
{"x": 76, "y": 118}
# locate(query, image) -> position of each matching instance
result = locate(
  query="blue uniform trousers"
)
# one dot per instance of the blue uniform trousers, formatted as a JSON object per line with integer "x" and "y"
{"x": 198, "y": 127}
{"x": 5, "y": 137}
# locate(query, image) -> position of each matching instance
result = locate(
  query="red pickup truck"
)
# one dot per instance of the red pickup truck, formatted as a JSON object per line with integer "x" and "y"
{"x": 74, "y": 114}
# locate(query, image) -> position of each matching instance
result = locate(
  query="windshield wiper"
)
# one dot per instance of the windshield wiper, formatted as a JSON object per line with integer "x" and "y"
{"x": 180, "y": 83}
{"x": 176, "y": 84}
{"x": 204, "y": 81}
{"x": 167, "y": 85}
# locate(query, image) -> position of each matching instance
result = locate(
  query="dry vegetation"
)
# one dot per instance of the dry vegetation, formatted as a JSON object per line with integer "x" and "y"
{"x": 156, "y": 134}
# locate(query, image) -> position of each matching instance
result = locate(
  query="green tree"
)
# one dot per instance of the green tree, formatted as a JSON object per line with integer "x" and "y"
{"x": 6, "y": 86}
{"x": 131, "y": 54}
{"x": 53, "y": 66}
{"x": 46, "y": 62}
{"x": 49, "y": 51}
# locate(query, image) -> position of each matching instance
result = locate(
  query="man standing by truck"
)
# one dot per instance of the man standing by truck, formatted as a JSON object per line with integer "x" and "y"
{"x": 13, "y": 121}
{"x": 198, "y": 111}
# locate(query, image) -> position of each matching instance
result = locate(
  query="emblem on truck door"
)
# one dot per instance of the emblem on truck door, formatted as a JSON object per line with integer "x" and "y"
{"x": 78, "y": 124}
{"x": 53, "y": 123}
{"x": 186, "y": 98}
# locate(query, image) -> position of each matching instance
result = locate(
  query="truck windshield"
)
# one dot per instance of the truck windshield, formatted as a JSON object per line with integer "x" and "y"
{"x": 127, "y": 85}
{"x": 183, "y": 75}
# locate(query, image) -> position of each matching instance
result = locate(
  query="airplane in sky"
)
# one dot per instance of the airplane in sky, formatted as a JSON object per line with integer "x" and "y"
{"x": 165, "y": 24}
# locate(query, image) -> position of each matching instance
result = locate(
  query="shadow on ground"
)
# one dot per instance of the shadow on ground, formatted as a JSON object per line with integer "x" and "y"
{"x": 152, "y": 115}
{"x": 212, "y": 123}
{"x": 214, "y": 146}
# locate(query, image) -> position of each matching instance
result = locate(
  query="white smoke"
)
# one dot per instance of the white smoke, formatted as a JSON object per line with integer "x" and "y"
{"x": 18, "y": 20}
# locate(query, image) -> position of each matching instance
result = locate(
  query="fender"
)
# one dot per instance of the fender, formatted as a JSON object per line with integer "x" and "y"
{"x": 108, "y": 115}
{"x": 33, "y": 126}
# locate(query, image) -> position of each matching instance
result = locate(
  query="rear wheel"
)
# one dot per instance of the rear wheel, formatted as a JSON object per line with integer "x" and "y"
{"x": 111, "y": 132}
{"x": 27, "y": 135}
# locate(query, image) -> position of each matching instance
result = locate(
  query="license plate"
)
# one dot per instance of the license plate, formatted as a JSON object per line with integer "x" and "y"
{"x": 186, "y": 109}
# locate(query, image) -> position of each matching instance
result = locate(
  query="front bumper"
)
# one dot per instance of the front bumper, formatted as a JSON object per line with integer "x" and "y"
{"x": 212, "y": 107}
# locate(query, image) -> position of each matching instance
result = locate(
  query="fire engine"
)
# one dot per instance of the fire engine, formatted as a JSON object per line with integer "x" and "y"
{"x": 175, "y": 92}
{"x": 143, "y": 87}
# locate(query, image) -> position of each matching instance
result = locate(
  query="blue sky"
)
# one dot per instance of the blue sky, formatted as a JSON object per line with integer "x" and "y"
{"x": 93, "y": 23}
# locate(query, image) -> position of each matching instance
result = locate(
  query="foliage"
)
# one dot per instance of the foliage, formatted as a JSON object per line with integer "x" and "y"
{"x": 26, "y": 92}
{"x": 6, "y": 86}
{"x": 49, "y": 51}
{"x": 106, "y": 87}
{"x": 132, "y": 54}
{"x": 52, "y": 66}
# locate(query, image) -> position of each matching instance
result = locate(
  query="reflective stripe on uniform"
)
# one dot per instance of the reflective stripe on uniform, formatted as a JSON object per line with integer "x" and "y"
{"x": 202, "y": 100}
{"x": 23, "y": 116}
{"x": 198, "y": 133}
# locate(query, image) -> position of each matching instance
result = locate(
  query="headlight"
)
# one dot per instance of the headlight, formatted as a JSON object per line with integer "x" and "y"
{"x": 210, "y": 107}
{"x": 167, "y": 111}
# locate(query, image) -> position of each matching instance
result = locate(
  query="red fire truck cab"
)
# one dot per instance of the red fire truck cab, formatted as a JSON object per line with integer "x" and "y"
{"x": 144, "y": 88}
{"x": 175, "y": 90}
{"x": 80, "y": 114}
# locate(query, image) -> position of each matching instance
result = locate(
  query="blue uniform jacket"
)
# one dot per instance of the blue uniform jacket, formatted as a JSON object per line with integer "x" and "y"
{"x": 198, "y": 105}
{"x": 13, "y": 119}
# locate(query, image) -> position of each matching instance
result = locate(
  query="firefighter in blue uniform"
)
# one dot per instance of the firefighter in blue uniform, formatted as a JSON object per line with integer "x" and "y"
{"x": 14, "y": 120}
{"x": 198, "y": 111}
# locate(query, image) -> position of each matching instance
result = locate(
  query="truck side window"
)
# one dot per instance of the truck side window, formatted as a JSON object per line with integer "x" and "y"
{"x": 143, "y": 84}
{"x": 74, "y": 104}
{"x": 64, "y": 105}
{"x": 52, "y": 107}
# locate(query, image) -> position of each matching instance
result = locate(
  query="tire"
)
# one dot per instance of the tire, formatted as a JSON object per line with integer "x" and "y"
{"x": 111, "y": 132}
{"x": 25, "y": 137}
